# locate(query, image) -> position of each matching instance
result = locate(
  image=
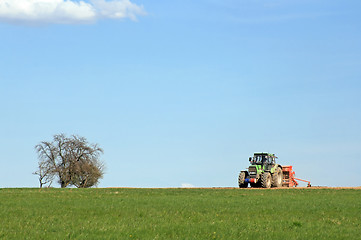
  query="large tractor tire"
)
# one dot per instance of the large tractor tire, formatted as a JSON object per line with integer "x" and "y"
{"x": 266, "y": 180}
{"x": 277, "y": 178}
{"x": 241, "y": 178}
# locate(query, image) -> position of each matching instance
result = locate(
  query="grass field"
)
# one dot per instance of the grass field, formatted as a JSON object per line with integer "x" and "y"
{"x": 180, "y": 214}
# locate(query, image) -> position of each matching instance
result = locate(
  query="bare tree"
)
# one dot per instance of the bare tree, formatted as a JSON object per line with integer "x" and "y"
{"x": 45, "y": 173}
{"x": 72, "y": 160}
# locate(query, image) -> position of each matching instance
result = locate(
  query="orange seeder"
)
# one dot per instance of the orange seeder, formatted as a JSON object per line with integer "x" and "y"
{"x": 289, "y": 179}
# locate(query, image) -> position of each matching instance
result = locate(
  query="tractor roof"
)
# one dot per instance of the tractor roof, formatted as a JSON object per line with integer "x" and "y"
{"x": 264, "y": 154}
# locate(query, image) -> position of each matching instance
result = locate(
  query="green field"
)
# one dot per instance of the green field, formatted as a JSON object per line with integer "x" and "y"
{"x": 180, "y": 213}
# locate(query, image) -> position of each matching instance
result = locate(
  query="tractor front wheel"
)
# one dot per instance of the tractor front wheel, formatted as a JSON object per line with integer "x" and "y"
{"x": 266, "y": 180}
{"x": 241, "y": 178}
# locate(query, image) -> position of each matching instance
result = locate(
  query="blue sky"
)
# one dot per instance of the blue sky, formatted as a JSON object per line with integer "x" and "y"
{"x": 183, "y": 92}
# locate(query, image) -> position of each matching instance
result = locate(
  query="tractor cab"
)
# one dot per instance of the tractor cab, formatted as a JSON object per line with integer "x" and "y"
{"x": 263, "y": 159}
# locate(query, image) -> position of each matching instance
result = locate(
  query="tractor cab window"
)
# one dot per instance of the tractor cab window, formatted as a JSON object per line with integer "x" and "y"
{"x": 262, "y": 160}
{"x": 266, "y": 160}
{"x": 259, "y": 159}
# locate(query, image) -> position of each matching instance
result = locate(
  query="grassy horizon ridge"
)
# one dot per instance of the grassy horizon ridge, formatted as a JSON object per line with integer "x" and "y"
{"x": 179, "y": 213}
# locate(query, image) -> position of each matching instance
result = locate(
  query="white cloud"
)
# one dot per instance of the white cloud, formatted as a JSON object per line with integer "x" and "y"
{"x": 187, "y": 185}
{"x": 118, "y": 9}
{"x": 66, "y": 11}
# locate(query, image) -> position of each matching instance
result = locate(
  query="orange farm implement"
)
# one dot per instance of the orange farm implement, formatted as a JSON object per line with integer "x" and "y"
{"x": 289, "y": 179}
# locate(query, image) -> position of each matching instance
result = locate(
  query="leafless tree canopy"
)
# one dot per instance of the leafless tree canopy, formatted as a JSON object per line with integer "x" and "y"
{"x": 72, "y": 160}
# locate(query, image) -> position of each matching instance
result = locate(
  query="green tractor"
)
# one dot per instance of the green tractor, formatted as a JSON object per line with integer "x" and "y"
{"x": 263, "y": 172}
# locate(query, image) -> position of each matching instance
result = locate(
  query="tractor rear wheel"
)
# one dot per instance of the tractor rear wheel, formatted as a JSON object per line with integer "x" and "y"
{"x": 241, "y": 180}
{"x": 266, "y": 180}
{"x": 277, "y": 178}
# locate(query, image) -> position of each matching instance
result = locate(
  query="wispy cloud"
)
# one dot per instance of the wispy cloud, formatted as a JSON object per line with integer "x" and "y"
{"x": 66, "y": 11}
{"x": 187, "y": 185}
